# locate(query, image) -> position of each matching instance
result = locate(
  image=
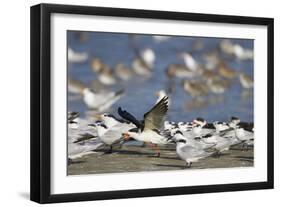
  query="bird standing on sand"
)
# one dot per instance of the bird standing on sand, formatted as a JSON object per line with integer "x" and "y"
{"x": 190, "y": 153}
{"x": 100, "y": 101}
{"x": 150, "y": 130}
{"x": 243, "y": 134}
{"x": 110, "y": 135}
{"x": 192, "y": 141}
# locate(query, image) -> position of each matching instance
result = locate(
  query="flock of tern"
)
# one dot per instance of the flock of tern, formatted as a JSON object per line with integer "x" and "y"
{"x": 193, "y": 140}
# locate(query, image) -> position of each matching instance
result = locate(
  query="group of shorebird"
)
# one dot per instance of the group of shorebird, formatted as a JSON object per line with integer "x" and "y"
{"x": 209, "y": 75}
{"x": 194, "y": 140}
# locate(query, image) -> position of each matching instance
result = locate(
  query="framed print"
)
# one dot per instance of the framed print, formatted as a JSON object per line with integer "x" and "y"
{"x": 132, "y": 103}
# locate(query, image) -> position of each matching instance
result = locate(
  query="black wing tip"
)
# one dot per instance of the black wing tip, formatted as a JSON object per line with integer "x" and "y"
{"x": 119, "y": 110}
{"x": 164, "y": 102}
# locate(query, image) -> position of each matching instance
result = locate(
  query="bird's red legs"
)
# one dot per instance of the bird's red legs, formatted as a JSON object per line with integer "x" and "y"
{"x": 155, "y": 147}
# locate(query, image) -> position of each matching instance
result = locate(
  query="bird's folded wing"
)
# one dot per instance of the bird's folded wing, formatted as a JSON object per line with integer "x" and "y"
{"x": 112, "y": 135}
{"x": 190, "y": 151}
{"x": 155, "y": 117}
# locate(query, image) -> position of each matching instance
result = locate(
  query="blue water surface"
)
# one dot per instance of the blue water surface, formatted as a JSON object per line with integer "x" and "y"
{"x": 139, "y": 97}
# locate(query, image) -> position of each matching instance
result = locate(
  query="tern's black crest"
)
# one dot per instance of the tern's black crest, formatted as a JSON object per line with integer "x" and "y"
{"x": 182, "y": 140}
{"x": 234, "y": 118}
{"x": 200, "y": 119}
{"x": 178, "y": 132}
{"x": 207, "y": 135}
{"x": 197, "y": 138}
{"x": 134, "y": 130}
{"x": 246, "y": 126}
{"x": 209, "y": 126}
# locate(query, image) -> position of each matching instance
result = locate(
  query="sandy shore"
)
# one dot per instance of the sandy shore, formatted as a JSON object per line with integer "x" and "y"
{"x": 136, "y": 158}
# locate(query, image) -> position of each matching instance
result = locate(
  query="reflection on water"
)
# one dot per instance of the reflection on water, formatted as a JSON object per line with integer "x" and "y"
{"x": 121, "y": 49}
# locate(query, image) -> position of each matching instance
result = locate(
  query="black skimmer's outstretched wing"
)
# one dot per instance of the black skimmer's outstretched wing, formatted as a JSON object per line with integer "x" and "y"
{"x": 155, "y": 117}
{"x": 127, "y": 116}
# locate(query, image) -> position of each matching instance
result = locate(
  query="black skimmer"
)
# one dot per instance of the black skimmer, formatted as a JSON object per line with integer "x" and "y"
{"x": 151, "y": 129}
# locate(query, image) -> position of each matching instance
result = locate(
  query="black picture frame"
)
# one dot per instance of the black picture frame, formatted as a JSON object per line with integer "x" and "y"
{"x": 41, "y": 102}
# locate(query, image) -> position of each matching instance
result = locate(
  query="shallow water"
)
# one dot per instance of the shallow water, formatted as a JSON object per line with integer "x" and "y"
{"x": 139, "y": 96}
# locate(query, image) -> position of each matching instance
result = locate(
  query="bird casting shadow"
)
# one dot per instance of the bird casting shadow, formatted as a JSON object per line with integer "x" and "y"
{"x": 128, "y": 152}
{"x": 220, "y": 155}
{"x": 173, "y": 166}
{"x": 73, "y": 162}
{"x": 245, "y": 158}
{"x": 168, "y": 158}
